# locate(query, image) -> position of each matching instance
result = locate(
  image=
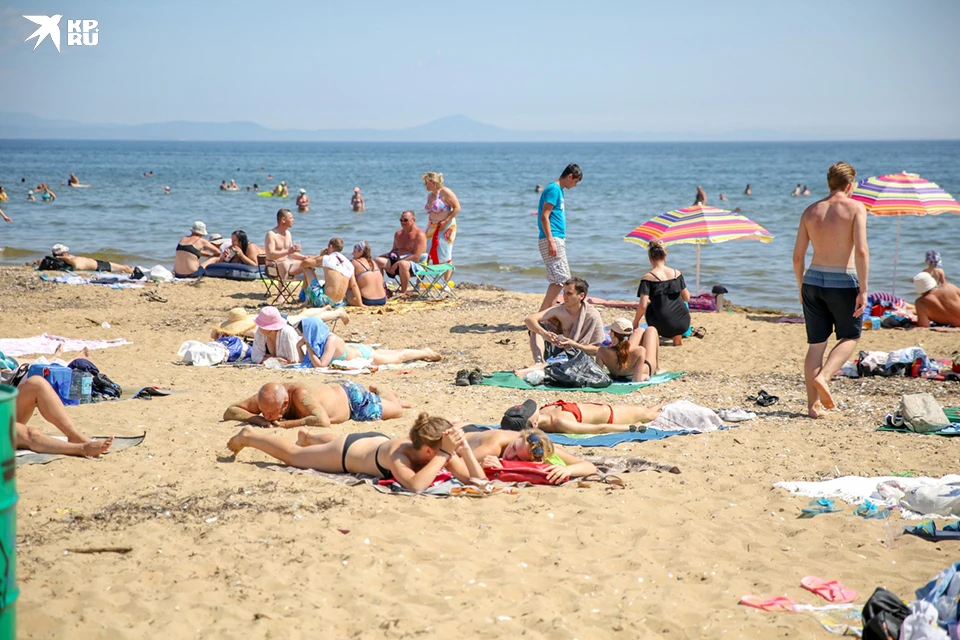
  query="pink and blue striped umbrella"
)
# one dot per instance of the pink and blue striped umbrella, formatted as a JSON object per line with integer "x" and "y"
{"x": 699, "y": 224}
{"x": 903, "y": 194}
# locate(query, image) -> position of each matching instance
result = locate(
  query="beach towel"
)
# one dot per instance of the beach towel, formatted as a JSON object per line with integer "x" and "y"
{"x": 444, "y": 487}
{"x": 112, "y": 282}
{"x": 315, "y": 333}
{"x": 613, "y": 439}
{"x": 628, "y": 464}
{"x": 25, "y": 456}
{"x": 509, "y": 380}
{"x": 914, "y": 496}
{"x": 47, "y": 343}
{"x": 684, "y": 415}
{"x": 589, "y": 326}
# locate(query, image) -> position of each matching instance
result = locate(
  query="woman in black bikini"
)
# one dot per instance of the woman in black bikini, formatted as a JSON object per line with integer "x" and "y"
{"x": 369, "y": 278}
{"x": 191, "y": 249}
{"x": 662, "y": 294}
{"x": 633, "y": 356}
{"x": 241, "y": 250}
{"x": 434, "y": 444}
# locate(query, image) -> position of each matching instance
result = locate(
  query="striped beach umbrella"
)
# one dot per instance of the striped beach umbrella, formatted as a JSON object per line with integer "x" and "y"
{"x": 903, "y": 194}
{"x": 699, "y": 225}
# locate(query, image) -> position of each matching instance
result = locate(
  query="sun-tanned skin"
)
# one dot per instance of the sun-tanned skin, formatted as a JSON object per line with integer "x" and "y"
{"x": 413, "y": 468}
{"x": 36, "y": 393}
{"x": 81, "y": 263}
{"x": 644, "y": 347}
{"x": 837, "y": 228}
{"x": 304, "y": 404}
{"x": 552, "y": 419}
{"x": 335, "y": 347}
{"x": 491, "y": 446}
{"x": 940, "y": 305}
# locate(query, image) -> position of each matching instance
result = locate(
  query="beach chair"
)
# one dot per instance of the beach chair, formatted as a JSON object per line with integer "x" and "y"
{"x": 432, "y": 282}
{"x": 280, "y": 290}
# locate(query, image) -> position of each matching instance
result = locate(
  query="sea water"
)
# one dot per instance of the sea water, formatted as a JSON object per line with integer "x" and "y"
{"x": 125, "y": 217}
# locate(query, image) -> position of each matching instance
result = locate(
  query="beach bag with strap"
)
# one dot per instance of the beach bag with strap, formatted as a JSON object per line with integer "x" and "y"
{"x": 50, "y": 263}
{"x": 883, "y": 614}
{"x": 578, "y": 371}
{"x": 921, "y": 413}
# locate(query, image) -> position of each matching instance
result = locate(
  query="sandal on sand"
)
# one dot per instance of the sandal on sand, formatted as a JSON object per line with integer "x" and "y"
{"x": 779, "y": 603}
{"x": 699, "y": 332}
{"x": 764, "y": 399}
{"x": 817, "y": 507}
{"x": 831, "y": 591}
{"x": 614, "y": 482}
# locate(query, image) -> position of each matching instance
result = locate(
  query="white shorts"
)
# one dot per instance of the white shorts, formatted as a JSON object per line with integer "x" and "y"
{"x": 558, "y": 271}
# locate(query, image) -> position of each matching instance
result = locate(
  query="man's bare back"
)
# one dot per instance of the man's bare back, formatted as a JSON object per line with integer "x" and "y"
{"x": 941, "y": 305}
{"x": 830, "y": 225}
{"x": 328, "y": 402}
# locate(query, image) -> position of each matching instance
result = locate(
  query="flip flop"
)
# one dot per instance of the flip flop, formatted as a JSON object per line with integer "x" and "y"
{"x": 870, "y": 511}
{"x": 831, "y": 591}
{"x": 928, "y": 531}
{"x": 778, "y": 603}
{"x": 699, "y": 332}
{"x": 764, "y": 399}
{"x": 817, "y": 507}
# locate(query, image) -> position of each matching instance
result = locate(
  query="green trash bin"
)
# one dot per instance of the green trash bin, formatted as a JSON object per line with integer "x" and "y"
{"x": 8, "y": 513}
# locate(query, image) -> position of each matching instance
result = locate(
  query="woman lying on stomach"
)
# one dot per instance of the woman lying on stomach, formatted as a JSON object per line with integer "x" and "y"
{"x": 578, "y": 417}
{"x": 433, "y": 445}
{"x": 530, "y": 445}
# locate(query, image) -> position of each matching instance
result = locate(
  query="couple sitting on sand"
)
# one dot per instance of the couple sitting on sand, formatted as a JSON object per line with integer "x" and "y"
{"x": 576, "y": 324}
{"x": 433, "y": 444}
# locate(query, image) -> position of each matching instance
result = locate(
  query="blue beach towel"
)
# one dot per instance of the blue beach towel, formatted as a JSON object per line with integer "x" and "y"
{"x": 613, "y": 439}
{"x": 315, "y": 333}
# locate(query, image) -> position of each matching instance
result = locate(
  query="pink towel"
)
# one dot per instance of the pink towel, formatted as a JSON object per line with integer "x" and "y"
{"x": 48, "y": 344}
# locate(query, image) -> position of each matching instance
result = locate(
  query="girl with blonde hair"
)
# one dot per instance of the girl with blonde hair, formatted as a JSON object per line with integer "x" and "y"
{"x": 442, "y": 207}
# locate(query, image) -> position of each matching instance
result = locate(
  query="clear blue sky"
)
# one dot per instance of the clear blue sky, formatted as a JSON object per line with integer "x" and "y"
{"x": 832, "y": 68}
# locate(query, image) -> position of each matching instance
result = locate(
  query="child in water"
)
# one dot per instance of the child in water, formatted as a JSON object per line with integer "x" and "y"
{"x": 934, "y": 268}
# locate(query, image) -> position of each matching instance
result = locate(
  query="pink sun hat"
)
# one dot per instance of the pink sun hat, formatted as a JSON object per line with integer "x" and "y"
{"x": 270, "y": 319}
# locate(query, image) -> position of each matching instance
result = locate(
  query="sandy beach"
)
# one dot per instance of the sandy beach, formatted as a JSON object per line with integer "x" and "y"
{"x": 233, "y": 549}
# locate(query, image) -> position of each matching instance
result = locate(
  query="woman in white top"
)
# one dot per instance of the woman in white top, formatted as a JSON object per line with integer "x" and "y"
{"x": 275, "y": 338}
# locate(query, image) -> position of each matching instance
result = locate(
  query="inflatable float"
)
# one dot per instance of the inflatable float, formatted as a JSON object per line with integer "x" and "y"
{"x": 232, "y": 271}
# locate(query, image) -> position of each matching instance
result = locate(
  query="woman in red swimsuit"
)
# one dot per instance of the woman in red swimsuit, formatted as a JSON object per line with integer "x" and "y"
{"x": 580, "y": 417}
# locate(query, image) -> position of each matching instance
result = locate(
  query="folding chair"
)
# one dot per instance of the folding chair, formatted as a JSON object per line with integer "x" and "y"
{"x": 435, "y": 281}
{"x": 280, "y": 287}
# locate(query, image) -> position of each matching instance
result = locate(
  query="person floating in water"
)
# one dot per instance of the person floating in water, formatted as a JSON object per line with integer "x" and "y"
{"x": 148, "y": 174}
{"x": 73, "y": 181}
{"x": 3, "y": 195}
{"x": 538, "y": 188}
{"x": 748, "y": 191}
{"x": 223, "y": 185}
{"x": 723, "y": 198}
{"x": 303, "y": 201}
{"x": 796, "y": 191}
{"x": 806, "y": 191}
{"x": 30, "y": 197}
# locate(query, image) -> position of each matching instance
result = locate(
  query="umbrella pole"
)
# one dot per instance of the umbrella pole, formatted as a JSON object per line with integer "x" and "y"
{"x": 698, "y": 269}
{"x": 896, "y": 252}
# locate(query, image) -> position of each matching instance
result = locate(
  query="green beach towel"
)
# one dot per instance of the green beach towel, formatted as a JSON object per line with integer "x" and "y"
{"x": 509, "y": 380}
{"x": 953, "y": 415}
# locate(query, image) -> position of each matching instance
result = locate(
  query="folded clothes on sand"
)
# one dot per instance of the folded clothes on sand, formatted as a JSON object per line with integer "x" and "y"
{"x": 25, "y": 456}
{"x": 509, "y": 380}
{"x": 47, "y": 343}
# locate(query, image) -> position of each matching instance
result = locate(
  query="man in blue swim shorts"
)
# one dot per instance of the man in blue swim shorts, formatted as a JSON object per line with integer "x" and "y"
{"x": 833, "y": 289}
{"x": 311, "y": 404}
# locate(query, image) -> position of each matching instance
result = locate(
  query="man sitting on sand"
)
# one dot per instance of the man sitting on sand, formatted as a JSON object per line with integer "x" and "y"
{"x": 311, "y": 404}
{"x": 279, "y": 246}
{"x": 338, "y": 277}
{"x": 834, "y": 295}
{"x": 80, "y": 263}
{"x": 580, "y": 325}
{"x": 936, "y": 304}
{"x": 322, "y": 348}
{"x": 36, "y": 393}
{"x": 409, "y": 243}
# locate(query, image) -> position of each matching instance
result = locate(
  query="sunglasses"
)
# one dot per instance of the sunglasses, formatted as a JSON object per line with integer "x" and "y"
{"x": 405, "y": 219}
{"x": 535, "y": 446}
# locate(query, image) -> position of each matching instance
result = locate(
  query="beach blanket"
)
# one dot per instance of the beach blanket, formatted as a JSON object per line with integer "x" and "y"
{"x": 445, "y": 486}
{"x": 629, "y": 464}
{"x": 112, "y": 281}
{"x": 47, "y": 343}
{"x": 914, "y": 496}
{"x": 25, "y": 456}
{"x": 953, "y": 415}
{"x": 613, "y": 439}
{"x": 509, "y": 380}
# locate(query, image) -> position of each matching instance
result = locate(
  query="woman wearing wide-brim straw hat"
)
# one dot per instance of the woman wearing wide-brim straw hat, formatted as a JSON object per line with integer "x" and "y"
{"x": 238, "y": 323}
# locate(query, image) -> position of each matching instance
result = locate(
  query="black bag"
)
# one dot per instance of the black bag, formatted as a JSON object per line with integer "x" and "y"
{"x": 49, "y": 263}
{"x": 104, "y": 388}
{"x": 577, "y": 372}
{"x": 882, "y": 615}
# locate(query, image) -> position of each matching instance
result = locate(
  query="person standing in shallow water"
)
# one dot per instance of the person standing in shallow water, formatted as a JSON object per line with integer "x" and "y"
{"x": 833, "y": 290}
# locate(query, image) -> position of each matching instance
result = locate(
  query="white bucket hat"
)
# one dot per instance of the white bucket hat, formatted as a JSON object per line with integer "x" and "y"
{"x": 199, "y": 228}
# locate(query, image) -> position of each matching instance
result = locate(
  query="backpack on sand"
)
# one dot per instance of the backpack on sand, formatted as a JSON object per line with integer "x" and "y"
{"x": 921, "y": 413}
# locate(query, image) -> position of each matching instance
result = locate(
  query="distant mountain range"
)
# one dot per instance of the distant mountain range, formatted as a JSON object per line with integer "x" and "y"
{"x": 455, "y": 128}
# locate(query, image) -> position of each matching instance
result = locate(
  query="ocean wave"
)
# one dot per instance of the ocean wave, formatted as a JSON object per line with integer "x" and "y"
{"x": 11, "y": 253}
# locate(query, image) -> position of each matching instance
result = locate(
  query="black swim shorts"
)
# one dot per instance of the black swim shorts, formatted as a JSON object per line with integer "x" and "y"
{"x": 829, "y": 300}
{"x": 103, "y": 266}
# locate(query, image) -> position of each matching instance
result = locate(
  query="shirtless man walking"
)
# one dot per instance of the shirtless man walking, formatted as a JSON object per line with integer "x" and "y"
{"x": 409, "y": 243}
{"x": 311, "y": 404}
{"x": 833, "y": 293}
{"x": 279, "y": 246}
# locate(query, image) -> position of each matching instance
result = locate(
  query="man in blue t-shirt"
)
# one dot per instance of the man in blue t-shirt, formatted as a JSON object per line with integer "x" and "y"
{"x": 552, "y": 223}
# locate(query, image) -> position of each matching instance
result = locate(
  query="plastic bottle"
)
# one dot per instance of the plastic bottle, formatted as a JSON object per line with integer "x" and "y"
{"x": 81, "y": 386}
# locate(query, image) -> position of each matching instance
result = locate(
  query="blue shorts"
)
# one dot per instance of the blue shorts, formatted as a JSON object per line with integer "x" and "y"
{"x": 316, "y": 296}
{"x": 365, "y": 405}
